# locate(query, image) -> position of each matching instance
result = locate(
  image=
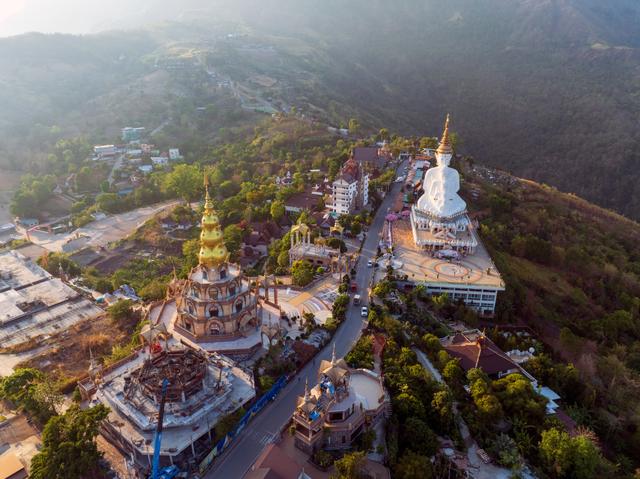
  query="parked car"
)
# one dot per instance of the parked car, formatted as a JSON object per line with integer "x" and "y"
{"x": 369, "y": 263}
{"x": 364, "y": 311}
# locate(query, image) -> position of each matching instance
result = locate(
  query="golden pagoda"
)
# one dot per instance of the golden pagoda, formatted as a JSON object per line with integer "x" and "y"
{"x": 216, "y": 305}
{"x": 213, "y": 251}
{"x": 445, "y": 142}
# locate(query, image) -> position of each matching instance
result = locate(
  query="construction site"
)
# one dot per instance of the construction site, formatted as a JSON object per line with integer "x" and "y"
{"x": 196, "y": 390}
{"x": 34, "y": 304}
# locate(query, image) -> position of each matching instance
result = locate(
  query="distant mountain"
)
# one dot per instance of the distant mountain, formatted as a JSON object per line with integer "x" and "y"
{"x": 548, "y": 89}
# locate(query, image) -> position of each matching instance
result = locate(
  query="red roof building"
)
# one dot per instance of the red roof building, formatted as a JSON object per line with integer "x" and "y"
{"x": 475, "y": 350}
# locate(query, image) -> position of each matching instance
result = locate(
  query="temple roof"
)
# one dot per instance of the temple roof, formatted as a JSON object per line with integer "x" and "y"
{"x": 475, "y": 350}
{"x": 213, "y": 251}
{"x": 445, "y": 142}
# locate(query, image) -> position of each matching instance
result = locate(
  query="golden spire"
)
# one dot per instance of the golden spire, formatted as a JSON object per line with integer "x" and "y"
{"x": 445, "y": 142}
{"x": 213, "y": 251}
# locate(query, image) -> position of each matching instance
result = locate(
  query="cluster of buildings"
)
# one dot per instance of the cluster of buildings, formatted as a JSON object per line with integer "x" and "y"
{"x": 216, "y": 315}
{"x": 316, "y": 252}
{"x": 208, "y": 321}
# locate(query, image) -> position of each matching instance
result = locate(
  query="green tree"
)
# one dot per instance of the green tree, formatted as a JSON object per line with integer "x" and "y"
{"x": 586, "y": 458}
{"x": 277, "y": 210}
{"x": 418, "y": 437}
{"x": 431, "y": 344}
{"x": 31, "y": 390}
{"x": 453, "y": 373}
{"x": 442, "y": 405}
{"x": 351, "y": 466}
{"x": 69, "y": 450}
{"x": 109, "y": 202}
{"x": 555, "y": 452}
{"x": 354, "y": 126}
{"x": 413, "y": 466}
{"x": 56, "y": 261}
{"x": 302, "y": 272}
{"x": 228, "y": 188}
{"x": 361, "y": 355}
{"x": 518, "y": 398}
{"x": 569, "y": 457}
{"x": 339, "y": 308}
{"x": 190, "y": 250}
{"x": 233, "y": 239}
{"x": 153, "y": 291}
{"x": 184, "y": 182}
{"x": 283, "y": 259}
{"x": 121, "y": 310}
{"x": 408, "y": 405}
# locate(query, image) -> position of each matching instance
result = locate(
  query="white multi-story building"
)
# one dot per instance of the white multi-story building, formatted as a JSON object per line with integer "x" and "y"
{"x": 103, "y": 151}
{"x": 350, "y": 190}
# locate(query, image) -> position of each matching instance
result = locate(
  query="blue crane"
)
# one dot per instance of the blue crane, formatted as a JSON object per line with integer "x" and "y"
{"x": 166, "y": 472}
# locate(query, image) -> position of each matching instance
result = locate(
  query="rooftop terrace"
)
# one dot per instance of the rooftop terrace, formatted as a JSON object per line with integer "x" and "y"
{"x": 475, "y": 269}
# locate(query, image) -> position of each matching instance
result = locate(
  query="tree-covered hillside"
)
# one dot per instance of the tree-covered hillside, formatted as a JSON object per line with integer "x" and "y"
{"x": 572, "y": 274}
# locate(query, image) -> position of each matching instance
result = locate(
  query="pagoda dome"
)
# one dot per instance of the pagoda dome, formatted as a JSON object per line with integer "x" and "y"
{"x": 211, "y": 237}
{"x": 210, "y": 220}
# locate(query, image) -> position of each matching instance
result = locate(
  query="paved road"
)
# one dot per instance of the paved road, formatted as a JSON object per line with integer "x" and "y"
{"x": 116, "y": 166}
{"x": 266, "y": 426}
{"x": 99, "y": 232}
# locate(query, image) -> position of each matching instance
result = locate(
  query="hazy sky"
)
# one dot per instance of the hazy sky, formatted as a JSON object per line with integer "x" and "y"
{"x": 72, "y": 16}
{"x": 78, "y": 16}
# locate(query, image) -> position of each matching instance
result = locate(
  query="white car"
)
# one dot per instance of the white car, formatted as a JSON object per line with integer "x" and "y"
{"x": 364, "y": 311}
{"x": 369, "y": 263}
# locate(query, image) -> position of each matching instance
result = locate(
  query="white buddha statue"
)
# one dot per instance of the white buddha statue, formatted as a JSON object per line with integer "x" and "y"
{"x": 441, "y": 184}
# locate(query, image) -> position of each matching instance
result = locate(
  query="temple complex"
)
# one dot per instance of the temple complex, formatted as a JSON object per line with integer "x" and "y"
{"x": 439, "y": 246}
{"x": 343, "y": 404}
{"x": 216, "y": 308}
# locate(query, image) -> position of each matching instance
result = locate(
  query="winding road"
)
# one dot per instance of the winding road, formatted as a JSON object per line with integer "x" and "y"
{"x": 266, "y": 427}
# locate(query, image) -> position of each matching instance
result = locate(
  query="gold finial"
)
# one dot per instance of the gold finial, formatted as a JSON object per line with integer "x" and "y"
{"x": 445, "y": 142}
{"x": 213, "y": 251}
